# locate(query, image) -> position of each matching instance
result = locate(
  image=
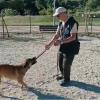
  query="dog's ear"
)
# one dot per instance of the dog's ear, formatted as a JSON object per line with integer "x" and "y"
{"x": 25, "y": 63}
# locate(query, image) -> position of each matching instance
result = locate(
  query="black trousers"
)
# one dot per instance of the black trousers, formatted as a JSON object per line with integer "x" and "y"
{"x": 65, "y": 62}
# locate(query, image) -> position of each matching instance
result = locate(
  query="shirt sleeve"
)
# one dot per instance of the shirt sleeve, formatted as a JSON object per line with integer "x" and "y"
{"x": 74, "y": 29}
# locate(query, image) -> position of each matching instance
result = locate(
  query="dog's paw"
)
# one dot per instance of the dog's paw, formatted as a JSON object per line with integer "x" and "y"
{"x": 24, "y": 87}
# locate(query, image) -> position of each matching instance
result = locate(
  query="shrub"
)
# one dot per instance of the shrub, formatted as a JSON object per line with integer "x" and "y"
{"x": 9, "y": 12}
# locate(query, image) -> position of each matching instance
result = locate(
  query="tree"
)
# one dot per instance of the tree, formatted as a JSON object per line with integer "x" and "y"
{"x": 42, "y": 6}
{"x": 3, "y": 4}
{"x": 31, "y": 6}
{"x": 17, "y": 5}
{"x": 92, "y": 4}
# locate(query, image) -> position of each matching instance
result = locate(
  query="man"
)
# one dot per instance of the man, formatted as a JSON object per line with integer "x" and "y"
{"x": 66, "y": 38}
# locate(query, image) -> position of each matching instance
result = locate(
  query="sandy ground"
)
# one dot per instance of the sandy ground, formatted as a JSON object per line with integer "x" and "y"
{"x": 26, "y": 29}
{"x": 41, "y": 80}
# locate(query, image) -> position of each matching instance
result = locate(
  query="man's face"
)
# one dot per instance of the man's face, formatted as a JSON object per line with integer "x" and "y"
{"x": 61, "y": 16}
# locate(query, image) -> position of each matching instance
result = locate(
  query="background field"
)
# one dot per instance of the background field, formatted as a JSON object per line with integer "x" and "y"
{"x": 40, "y": 20}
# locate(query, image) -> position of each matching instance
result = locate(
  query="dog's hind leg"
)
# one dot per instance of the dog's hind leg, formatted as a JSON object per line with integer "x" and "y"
{"x": 0, "y": 79}
{"x": 0, "y": 87}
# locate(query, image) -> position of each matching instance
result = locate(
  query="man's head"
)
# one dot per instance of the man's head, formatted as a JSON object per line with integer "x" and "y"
{"x": 60, "y": 13}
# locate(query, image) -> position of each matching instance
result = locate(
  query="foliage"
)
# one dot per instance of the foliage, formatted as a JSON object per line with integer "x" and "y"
{"x": 30, "y": 5}
{"x": 92, "y": 4}
{"x": 42, "y": 12}
{"x": 17, "y": 5}
{"x": 45, "y": 7}
{"x": 9, "y": 12}
{"x": 49, "y": 11}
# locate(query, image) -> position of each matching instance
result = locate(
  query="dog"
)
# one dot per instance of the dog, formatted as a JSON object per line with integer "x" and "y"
{"x": 16, "y": 72}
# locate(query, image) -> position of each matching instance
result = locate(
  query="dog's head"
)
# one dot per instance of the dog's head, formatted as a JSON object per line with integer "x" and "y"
{"x": 29, "y": 62}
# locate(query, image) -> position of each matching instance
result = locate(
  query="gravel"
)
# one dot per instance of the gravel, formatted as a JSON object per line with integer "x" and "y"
{"x": 41, "y": 77}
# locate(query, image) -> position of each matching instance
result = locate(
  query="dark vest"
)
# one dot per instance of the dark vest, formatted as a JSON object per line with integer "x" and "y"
{"x": 74, "y": 46}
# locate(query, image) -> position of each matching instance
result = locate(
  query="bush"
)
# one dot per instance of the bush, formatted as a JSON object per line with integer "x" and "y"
{"x": 49, "y": 11}
{"x": 42, "y": 12}
{"x": 9, "y": 12}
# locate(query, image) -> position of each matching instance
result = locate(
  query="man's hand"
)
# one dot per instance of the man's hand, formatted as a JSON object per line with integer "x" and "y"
{"x": 57, "y": 42}
{"x": 47, "y": 47}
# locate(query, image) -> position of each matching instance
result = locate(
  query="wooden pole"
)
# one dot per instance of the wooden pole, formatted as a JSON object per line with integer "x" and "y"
{"x": 30, "y": 22}
{"x": 5, "y": 26}
{"x": 54, "y": 6}
{"x": 2, "y": 26}
{"x": 91, "y": 23}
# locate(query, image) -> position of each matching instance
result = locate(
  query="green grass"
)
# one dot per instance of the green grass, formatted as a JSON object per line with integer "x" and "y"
{"x": 39, "y": 20}
{"x": 25, "y": 20}
{"x": 81, "y": 20}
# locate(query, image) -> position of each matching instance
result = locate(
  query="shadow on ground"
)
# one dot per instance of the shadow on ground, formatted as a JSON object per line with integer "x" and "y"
{"x": 9, "y": 98}
{"x": 24, "y": 39}
{"x": 45, "y": 96}
{"x": 85, "y": 86}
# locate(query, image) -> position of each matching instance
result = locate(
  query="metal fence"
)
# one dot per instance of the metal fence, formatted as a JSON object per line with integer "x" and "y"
{"x": 30, "y": 24}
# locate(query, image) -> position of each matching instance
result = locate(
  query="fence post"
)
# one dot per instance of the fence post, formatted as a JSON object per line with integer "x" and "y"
{"x": 4, "y": 24}
{"x": 30, "y": 22}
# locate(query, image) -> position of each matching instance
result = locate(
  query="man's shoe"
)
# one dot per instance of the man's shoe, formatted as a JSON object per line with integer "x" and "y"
{"x": 65, "y": 83}
{"x": 59, "y": 77}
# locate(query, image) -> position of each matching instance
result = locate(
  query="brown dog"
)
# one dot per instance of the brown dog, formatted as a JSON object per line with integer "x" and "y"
{"x": 16, "y": 72}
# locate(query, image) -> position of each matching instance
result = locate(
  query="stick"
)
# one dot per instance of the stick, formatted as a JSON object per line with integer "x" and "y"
{"x": 41, "y": 54}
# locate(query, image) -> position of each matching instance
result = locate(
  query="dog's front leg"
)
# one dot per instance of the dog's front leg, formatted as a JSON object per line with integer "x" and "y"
{"x": 23, "y": 83}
